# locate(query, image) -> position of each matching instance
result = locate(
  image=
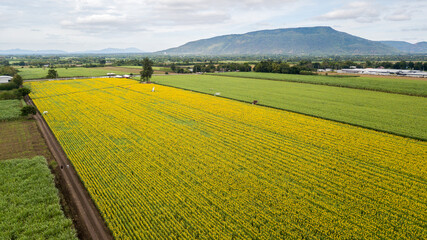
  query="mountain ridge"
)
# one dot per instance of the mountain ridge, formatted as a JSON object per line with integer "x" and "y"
{"x": 321, "y": 40}
{"x": 420, "y": 47}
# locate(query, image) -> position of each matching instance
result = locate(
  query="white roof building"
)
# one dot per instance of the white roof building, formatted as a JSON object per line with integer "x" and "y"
{"x": 379, "y": 71}
{"x": 5, "y": 79}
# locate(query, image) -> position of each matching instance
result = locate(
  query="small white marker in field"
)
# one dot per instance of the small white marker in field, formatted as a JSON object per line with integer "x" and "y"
{"x": 217, "y": 94}
{"x": 45, "y": 112}
{"x": 152, "y": 90}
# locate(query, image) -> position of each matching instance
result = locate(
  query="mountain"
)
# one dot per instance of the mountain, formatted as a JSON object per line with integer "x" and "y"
{"x": 288, "y": 41}
{"x": 59, "y": 52}
{"x": 406, "y": 47}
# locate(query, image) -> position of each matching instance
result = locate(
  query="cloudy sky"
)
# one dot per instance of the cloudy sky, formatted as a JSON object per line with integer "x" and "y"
{"x": 151, "y": 25}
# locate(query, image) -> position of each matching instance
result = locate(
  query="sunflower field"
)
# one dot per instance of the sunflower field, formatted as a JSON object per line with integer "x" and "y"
{"x": 165, "y": 163}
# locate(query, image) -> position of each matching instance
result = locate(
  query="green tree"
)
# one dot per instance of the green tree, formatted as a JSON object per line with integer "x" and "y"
{"x": 17, "y": 79}
{"x": 418, "y": 66}
{"x": 4, "y": 62}
{"x": 52, "y": 73}
{"x": 7, "y": 70}
{"x": 24, "y": 91}
{"x": 173, "y": 67}
{"x": 147, "y": 70}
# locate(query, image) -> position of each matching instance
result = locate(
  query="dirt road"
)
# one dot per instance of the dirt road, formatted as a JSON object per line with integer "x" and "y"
{"x": 87, "y": 212}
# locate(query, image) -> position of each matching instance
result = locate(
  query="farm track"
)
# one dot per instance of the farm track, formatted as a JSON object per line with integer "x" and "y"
{"x": 89, "y": 215}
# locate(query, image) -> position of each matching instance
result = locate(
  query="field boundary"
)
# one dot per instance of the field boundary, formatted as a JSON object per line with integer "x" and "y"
{"x": 323, "y": 84}
{"x": 306, "y": 114}
{"x": 87, "y": 211}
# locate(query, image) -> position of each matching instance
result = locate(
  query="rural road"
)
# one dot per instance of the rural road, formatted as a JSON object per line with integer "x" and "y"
{"x": 87, "y": 211}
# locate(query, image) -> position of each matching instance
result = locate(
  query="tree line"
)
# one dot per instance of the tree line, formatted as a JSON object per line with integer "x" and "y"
{"x": 305, "y": 66}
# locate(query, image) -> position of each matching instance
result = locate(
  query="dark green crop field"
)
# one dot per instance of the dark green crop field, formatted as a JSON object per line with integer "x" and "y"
{"x": 10, "y": 109}
{"x": 393, "y": 113}
{"x": 29, "y": 202}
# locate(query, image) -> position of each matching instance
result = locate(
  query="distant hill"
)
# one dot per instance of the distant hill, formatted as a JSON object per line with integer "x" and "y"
{"x": 288, "y": 41}
{"x": 59, "y": 52}
{"x": 406, "y": 47}
{"x": 113, "y": 51}
{"x": 18, "y": 51}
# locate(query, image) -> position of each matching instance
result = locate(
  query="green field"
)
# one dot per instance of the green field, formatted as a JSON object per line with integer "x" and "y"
{"x": 29, "y": 202}
{"x": 10, "y": 109}
{"x": 36, "y": 73}
{"x": 394, "y": 85}
{"x": 394, "y": 113}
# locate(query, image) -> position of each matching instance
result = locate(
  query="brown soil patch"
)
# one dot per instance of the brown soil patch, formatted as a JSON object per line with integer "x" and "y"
{"x": 22, "y": 139}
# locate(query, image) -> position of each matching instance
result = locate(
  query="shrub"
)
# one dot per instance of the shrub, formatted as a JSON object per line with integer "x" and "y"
{"x": 8, "y": 86}
{"x": 28, "y": 110}
{"x": 11, "y": 94}
{"x": 24, "y": 91}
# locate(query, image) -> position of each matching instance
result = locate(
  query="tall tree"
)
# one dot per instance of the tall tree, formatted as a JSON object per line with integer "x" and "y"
{"x": 52, "y": 73}
{"x": 17, "y": 79}
{"x": 147, "y": 70}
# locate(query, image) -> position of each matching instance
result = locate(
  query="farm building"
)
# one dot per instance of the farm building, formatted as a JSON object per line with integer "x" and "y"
{"x": 5, "y": 79}
{"x": 381, "y": 71}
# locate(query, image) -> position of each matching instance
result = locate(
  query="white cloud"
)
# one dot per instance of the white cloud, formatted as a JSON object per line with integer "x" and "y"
{"x": 399, "y": 15}
{"x": 100, "y": 16}
{"x": 158, "y": 24}
{"x": 359, "y": 11}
